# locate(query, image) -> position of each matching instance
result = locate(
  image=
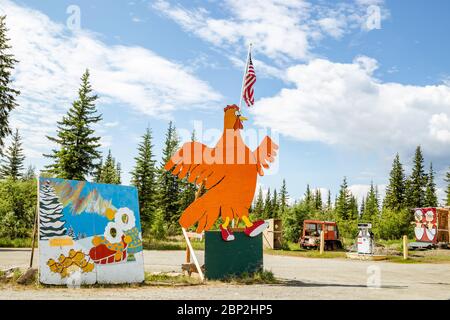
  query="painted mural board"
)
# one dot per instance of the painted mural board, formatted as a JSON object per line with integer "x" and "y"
{"x": 88, "y": 233}
{"x": 425, "y": 229}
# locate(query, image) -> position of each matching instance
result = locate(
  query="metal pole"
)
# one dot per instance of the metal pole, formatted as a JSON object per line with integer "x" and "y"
{"x": 245, "y": 72}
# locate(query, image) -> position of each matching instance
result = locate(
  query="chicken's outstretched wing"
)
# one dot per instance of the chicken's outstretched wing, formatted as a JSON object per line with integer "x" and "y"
{"x": 266, "y": 152}
{"x": 191, "y": 161}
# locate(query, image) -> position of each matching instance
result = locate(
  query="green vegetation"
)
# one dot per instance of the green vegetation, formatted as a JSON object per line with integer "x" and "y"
{"x": 163, "y": 197}
{"x": 8, "y": 95}
{"x": 16, "y": 243}
{"x": 12, "y": 167}
{"x": 143, "y": 178}
{"x": 260, "y": 277}
{"x": 17, "y": 208}
{"x": 164, "y": 279}
{"x": 109, "y": 172}
{"x": 171, "y": 244}
{"x": 78, "y": 145}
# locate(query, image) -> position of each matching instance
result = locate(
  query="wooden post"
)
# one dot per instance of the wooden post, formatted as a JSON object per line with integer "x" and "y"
{"x": 189, "y": 250}
{"x": 322, "y": 241}
{"x": 188, "y": 255}
{"x": 405, "y": 247}
{"x": 197, "y": 265}
{"x": 35, "y": 227}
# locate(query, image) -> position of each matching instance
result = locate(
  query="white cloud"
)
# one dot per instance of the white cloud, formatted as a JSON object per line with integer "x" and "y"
{"x": 280, "y": 29}
{"x": 439, "y": 125}
{"x": 360, "y": 191}
{"x": 344, "y": 104}
{"x": 52, "y": 60}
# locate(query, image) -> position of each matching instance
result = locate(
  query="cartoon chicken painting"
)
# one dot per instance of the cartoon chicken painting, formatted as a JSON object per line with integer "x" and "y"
{"x": 229, "y": 174}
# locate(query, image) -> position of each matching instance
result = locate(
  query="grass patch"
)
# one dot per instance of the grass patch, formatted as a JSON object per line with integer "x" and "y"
{"x": 164, "y": 279}
{"x": 16, "y": 243}
{"x": 11, "y": 279}
{"x": 422, "y": 257}
{"x": 260, "y": 277}
{"x": 161, "y": 279}
{"x": 152, "y": 244}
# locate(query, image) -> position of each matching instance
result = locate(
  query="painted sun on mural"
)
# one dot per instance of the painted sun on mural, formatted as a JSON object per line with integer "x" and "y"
{"x": 89, "y": 230}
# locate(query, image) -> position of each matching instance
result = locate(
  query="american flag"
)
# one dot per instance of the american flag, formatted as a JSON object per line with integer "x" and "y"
{"x": 250, "y": 79}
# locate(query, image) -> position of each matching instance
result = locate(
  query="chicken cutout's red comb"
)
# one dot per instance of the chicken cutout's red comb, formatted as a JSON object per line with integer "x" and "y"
{"x": 231, "y": 106}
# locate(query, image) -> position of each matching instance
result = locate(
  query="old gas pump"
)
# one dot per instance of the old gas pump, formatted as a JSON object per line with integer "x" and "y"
{"x": 365, "y": 238}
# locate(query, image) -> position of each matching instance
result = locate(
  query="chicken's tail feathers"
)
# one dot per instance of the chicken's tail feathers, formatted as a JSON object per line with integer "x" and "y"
{"x": 199, "y": 211}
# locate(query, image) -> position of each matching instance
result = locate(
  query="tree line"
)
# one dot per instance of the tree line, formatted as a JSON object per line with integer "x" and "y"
{"x": 162, "y": 197}
{"x": 391, "y": 216}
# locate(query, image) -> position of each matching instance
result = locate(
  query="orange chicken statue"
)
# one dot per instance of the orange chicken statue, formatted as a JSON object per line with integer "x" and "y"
{"x": 228, "y": 172}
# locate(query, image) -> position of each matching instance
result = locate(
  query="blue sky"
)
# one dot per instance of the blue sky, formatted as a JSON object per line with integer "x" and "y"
{"x": 340, "y": 96}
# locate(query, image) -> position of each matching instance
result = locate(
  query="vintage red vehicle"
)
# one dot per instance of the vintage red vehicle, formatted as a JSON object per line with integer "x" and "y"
{"x": 310, "y": 237}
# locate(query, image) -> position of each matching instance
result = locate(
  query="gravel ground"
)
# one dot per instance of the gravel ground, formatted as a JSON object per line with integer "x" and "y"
{"x": 302, "y": 278}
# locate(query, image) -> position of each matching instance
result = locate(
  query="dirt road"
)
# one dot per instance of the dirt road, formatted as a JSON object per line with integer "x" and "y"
{"x": 303, "y": 278}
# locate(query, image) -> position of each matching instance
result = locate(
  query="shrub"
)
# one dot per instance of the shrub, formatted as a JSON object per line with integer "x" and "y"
{"x": 17, "y": 208}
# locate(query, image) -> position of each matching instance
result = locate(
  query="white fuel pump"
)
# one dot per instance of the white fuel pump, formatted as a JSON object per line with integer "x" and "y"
{"x": 365, "y": 239}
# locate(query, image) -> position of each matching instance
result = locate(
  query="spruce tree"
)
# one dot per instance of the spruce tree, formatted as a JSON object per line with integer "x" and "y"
{"x": 109, "y": 170}
{"x": 78, "y": 146}
{"x": 8, "y": 95}
{"x": 275, "y": 204}
{"x": 329, "y": 204}
{"x": 168, "y": 185}
{"x": 318, "y": 200}
{"x": 353, "y": 208}
{"x": 417, "y": 181}
{"x": 447, "y": 191}
{"x": 119, "y": 173}
{"x": 143, "y": 177}
{"x": 363, "y": 207}
{"x": 284, "y": 197}
{"x": 267, "y": 205}
{"x": 13, "y": 165}
{"x": 258, "y": 208}
{"x": 343, "y": 202}
{"x": 309, "y": 197}
{"x": 371, "y": 208}
{"x": 30, "y": 174}
{"x": 431, "y": 199}
{"x": 396, "y": 190}
{"x": 98, "y": 171}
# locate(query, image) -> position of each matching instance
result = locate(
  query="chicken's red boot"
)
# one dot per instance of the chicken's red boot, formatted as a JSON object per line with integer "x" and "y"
{"x": 227, "y": 234}
{"x": 257, "y": 227}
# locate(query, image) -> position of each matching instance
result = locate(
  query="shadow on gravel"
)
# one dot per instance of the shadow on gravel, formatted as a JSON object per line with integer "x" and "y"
{"x": 297, "y": 283}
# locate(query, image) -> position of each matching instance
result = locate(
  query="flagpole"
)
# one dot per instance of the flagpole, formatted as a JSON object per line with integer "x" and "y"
{"x": 245, "y": 72}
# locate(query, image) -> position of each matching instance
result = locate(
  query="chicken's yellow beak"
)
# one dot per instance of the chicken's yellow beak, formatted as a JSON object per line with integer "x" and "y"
{"x": 242, "y": 118}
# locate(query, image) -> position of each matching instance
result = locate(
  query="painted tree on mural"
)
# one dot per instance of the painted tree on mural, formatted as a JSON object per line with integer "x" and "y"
{"x": 50, "y": 213}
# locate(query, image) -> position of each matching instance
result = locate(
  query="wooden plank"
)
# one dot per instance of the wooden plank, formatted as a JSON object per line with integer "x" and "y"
{"x": 193, "y": 254}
